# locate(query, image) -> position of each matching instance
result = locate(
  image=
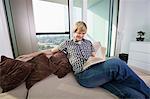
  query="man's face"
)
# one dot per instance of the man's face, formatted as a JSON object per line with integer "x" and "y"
{"x": 78, "y": 35}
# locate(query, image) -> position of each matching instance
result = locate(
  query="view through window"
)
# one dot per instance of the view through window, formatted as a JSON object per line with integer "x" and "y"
{"x": 50, "y": 41}
{"x": 51, "y": 22}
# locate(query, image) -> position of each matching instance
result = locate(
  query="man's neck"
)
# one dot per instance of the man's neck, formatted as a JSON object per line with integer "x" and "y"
{"x": 77, "y": 41}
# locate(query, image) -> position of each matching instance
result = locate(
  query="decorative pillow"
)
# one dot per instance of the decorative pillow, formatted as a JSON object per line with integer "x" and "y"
{"x": 13, "y": 73}
{"x": 40, "y": 71}
{"x": 61, "y": 66}
{"x": 100, "y": 51}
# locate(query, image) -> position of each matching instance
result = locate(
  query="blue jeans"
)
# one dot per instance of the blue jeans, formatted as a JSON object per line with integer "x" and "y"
{"x": 115, "y": 76}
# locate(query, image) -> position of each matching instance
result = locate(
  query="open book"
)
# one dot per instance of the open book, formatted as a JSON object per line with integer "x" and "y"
{"x": 100, "y": 55}
{"x": 92, "y": 61}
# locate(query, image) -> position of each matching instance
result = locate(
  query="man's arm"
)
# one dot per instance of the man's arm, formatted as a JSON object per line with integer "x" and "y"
{"x": 54, "y": 50}
{"x": 48, "y": 52}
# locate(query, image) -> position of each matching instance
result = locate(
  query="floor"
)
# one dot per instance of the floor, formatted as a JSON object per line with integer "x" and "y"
{"x": 144, "y": 75}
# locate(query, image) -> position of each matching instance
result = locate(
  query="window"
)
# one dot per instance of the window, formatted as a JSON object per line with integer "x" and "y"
{"x": 101, "y": 18}
{"x": 51, "y": 22}
{"x": 77, "y": 10}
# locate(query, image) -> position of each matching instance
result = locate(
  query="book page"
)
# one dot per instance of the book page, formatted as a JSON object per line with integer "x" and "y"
{"x": 92, "y": 61}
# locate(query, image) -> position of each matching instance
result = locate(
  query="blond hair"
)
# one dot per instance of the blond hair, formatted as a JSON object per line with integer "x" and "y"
{"x": 80, "y": 26}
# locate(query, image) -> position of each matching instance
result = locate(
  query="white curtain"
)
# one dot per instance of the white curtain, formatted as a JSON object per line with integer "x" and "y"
{"x": 23, "y": 20}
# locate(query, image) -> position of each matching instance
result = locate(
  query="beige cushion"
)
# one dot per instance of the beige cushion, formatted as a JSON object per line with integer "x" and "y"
{"x": 17, "y": 93}
{"x": 66, "y": 88}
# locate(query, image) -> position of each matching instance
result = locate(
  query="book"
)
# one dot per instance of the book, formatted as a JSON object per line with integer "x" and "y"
{"x": 91, "y": 61}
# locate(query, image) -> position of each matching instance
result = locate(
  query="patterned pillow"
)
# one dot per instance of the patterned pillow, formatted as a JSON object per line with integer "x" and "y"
{"x": 100, "y": 51}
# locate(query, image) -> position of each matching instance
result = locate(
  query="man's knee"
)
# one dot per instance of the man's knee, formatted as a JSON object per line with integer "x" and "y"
{"x": 115, "y": 61}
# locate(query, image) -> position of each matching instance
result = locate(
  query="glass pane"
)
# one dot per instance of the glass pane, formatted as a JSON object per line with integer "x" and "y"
{"x": 49, "y": 41}
{"x": 77, "y": 10}
{"x": 98, "y": 20}
{"x": 51, "y": 16}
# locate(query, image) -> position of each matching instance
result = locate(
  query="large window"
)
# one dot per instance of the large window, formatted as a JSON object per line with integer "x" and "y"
{"x": 101, "y": 19}
{"x": 98, "y": 20}
{"x": 77, "y": 10}
{"x": 51, "y": 22}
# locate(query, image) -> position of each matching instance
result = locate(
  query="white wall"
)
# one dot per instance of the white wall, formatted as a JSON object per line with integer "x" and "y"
{"x": 148, "y": 12}
{"x": 24, "y": 25}
{"x": 5, "y": 46}
{"x": 133, "y": 17}
{"x": 147, "y": 35}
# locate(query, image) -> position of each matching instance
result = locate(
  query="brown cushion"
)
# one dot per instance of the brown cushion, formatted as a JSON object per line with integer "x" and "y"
{"x": 61, "y": 66}
{"x": 40, "y": 71}
{"x": 13, "y": 73}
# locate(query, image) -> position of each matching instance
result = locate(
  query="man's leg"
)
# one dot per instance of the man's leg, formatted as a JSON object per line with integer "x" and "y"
{"x": 113, "y": 69}
{"x": 123, "y": 92}
{"x": 121, "y": 73}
